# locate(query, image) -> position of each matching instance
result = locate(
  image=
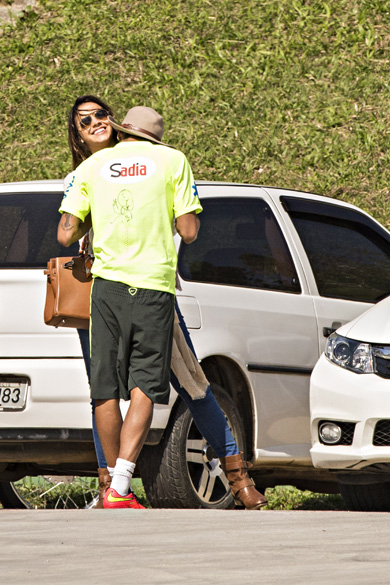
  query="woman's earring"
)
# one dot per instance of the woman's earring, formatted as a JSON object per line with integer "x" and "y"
{"x": 81, "y": 140}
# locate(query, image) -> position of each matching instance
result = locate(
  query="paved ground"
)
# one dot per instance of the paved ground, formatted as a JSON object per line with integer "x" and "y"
{"x": 148, "y": 547}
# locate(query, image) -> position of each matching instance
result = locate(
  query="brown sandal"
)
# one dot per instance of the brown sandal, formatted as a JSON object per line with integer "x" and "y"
{"x": 241, "y": 485}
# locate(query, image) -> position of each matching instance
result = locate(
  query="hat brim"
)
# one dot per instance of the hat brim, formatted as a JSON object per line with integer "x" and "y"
{"x": 136, "y": 133}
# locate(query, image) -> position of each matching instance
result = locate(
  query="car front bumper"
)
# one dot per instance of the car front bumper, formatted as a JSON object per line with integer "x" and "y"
{"x": 363, "y": 400}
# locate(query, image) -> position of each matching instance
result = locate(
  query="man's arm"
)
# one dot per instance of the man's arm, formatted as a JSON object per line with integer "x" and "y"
{"x": 187, "y": 226}
{"x": 71, "y": 228}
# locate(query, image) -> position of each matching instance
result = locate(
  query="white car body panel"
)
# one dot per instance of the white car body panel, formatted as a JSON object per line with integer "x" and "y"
{"x": 23, "y": 332}
{"x": 232, "y": 319}
{"x": 274, "y": 338}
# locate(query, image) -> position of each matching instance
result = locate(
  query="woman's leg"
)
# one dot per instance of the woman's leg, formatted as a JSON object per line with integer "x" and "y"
{"x": 84, "y": 341}
{"x": 209, "y": 419}
{"x": 206, "y": 412}
{"x": 211, "y": 422}
{"x": 102, "y": 463}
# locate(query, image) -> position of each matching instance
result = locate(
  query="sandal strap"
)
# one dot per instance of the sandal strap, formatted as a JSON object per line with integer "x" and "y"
{"x": 241, "y": 484}
{"x": 235, "y": 466}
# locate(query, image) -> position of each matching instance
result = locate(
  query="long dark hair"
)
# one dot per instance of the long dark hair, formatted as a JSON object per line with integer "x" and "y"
{"x": 79, "y": 149}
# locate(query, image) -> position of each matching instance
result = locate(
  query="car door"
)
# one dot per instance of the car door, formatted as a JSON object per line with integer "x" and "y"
{"x": 349, "y": 257}
{"x": 255, "y": 308}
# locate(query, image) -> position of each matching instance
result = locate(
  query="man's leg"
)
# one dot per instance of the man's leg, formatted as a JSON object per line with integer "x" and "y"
{"x": 103, "y": 350}
{"x": 109, "y": 423}
{"x": 146, "y": 344}
{"x": 136, "y": 425}
{"x": 132, "y": 437}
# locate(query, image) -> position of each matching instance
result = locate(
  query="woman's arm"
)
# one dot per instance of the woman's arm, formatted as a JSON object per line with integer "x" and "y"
{"x": 71, "y": 228}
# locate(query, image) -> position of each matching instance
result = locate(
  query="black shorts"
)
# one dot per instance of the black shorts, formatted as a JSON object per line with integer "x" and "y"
{"x": 131, "y": 341}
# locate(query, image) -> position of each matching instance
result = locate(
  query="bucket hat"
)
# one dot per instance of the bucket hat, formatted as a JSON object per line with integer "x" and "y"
{"x": 143, "y": 122}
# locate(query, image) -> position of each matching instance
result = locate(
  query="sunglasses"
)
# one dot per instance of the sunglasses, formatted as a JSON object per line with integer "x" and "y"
{"x": 99, "y": 114}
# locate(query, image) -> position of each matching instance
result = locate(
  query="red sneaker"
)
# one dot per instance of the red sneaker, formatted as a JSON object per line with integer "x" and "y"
{"x": 113, "y": 500}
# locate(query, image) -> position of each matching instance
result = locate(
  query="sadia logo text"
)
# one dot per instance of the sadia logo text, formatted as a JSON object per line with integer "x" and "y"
{"x": 128, "y": 170}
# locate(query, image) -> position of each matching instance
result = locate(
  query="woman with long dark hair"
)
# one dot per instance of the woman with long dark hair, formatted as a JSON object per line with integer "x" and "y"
{"x": 88, "y": 132}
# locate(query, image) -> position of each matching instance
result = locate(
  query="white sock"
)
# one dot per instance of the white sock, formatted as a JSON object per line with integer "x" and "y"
{"x": 110, "y": 470}
{"x": 123, "y": 473}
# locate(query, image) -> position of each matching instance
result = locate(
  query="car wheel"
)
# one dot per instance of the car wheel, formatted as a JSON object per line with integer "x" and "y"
{"x": 373, "y": 497}
{"x": 50, "y": 492}
{"x": 183, "y": 470}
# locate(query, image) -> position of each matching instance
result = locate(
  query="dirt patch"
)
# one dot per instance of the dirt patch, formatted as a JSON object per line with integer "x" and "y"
{"x": 11, "y": 10}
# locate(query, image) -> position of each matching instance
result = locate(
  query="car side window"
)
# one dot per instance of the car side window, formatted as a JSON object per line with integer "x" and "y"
{"x": 239, "y": 244}
{"x": 28, "y": 230}
{"x": 349, "y": 253}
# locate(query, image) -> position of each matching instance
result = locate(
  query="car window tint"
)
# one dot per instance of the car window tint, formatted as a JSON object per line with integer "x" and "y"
{"x": 28, "y": 230}
{"x": 239, "y": 244}
{"x": 348, "y": 252}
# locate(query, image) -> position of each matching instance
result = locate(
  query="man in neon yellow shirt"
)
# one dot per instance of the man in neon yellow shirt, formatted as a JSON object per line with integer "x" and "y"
{"x": 130, "y": 194}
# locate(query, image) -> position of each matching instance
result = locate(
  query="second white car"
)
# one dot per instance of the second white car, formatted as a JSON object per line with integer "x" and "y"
{"x": 350, "y": 409}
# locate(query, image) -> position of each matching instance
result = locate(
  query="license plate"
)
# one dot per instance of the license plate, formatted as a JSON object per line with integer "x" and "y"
{"x": 13, "y": 392}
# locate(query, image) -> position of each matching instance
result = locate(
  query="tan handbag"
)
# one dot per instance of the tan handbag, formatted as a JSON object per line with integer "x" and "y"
{"x": 68, "y": 292}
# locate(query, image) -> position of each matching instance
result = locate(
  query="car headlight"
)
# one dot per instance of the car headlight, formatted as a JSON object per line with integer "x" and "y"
{"x": 350, "y": 354}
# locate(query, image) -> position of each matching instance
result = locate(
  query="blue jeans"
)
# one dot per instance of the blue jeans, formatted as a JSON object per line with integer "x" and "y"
{"x": 84, "y": 341}
{"x": 206, "y": 412}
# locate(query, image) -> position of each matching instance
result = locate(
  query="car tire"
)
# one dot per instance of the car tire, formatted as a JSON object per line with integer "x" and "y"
{"x": 183, "y": 470}
{"x": 373, "y": 497}
{"x": 50, "y": 492}
{"x": 10, "y": 497}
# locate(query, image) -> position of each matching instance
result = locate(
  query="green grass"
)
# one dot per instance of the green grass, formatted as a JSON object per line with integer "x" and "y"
{"x": 289, "y": 93}
{"x": 139, "y": 491}
{"x": 67, "y": 492}
{"x": 60, "y": 493}
{"x": 290, "y": 498}
{"x": 279, "y": 498}
{"x": 41, "y": 494}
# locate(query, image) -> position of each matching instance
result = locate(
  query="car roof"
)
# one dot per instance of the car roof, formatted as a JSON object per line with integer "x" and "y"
{"x": 47, "y": 185}
{"x": 16, "y": 185}
{"x": 276, "y": 192}
{"x": 27, "y": 186}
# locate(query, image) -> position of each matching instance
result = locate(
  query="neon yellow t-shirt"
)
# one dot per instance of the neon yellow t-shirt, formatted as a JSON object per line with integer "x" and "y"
{"x": 132, "y": 191}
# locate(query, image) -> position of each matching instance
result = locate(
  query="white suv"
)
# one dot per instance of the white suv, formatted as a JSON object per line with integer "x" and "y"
{"x": 271, "y": 275}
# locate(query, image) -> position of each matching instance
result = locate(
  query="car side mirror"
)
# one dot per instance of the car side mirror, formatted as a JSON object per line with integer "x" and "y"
{"x": 326, "y": 331}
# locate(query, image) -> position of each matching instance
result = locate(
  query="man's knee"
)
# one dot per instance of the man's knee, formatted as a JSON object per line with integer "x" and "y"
{"x": 106, "y": 404}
